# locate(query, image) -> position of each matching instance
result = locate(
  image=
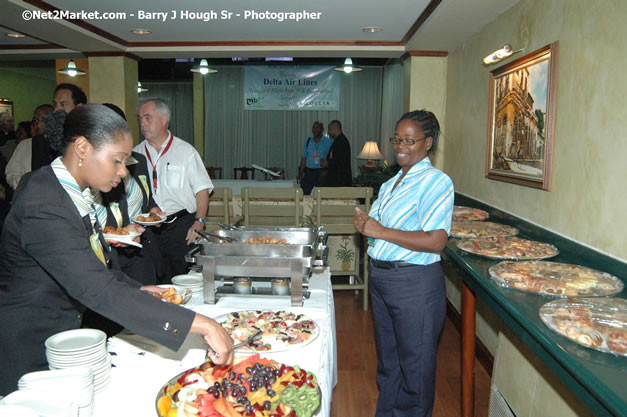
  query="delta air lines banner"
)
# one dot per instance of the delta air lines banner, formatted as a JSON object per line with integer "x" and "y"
{"x": 291, "y": 88}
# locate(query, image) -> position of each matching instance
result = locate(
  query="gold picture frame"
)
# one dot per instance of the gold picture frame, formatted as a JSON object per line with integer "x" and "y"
{"x": 521, "y": 119}
{"x": 6, "y": 106}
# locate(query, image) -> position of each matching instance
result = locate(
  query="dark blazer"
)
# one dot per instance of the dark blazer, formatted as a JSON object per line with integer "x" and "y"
{"x": 49, "y": 274}
{"x": 339, "y": 170}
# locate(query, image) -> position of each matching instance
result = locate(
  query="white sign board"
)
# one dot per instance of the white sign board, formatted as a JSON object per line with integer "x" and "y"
{"x": 291, "y": 88}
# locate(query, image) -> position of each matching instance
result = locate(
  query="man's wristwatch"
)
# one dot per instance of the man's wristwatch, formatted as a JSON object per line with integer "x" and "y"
{"x": 202, "y": 220}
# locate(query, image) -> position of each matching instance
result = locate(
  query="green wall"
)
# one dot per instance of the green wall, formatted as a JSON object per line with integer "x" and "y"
{"x": 588, "y": 199}
{"x": 28, "y": 84}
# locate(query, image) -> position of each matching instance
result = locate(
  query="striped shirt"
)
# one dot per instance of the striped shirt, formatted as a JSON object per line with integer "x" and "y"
{"x": 423, "y": 200}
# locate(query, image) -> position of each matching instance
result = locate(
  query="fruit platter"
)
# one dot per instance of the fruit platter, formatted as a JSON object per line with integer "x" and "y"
{"x": 251, "y": 387}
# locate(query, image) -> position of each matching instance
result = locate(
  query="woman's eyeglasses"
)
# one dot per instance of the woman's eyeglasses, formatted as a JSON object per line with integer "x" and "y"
{"x": 409, "y": 142}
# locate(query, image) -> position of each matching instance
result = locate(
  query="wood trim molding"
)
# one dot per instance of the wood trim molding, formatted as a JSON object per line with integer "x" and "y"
{"x": 421, "y": 20}
{"x": 483, "y": 355}
{"x": 424, "y": 53}
{"x": 113, "y": 53}
{"x": 261, "y": 43}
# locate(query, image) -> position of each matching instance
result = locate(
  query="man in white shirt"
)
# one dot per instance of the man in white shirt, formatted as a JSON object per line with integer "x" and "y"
{"x": 179, "y": 182}
{"x": 20, "y": 162}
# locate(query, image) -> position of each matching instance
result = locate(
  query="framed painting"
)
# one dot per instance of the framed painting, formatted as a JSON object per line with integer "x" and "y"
{"x": 521, "y": 119}
{"x": 6, "y": 106}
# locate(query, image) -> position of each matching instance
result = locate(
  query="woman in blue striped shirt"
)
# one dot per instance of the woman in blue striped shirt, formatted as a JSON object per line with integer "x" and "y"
{"x": 409, "y": 223}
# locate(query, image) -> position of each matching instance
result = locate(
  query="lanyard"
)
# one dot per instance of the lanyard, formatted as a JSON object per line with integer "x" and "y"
{"x": 154, "y": 166}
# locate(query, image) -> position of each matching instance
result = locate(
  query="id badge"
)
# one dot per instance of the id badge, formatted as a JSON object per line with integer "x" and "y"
{"x": 317, "y": 160}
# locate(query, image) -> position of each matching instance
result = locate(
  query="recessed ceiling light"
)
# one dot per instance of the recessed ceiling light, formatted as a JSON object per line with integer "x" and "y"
{"x": 15, "y": 35}
{"x": 372, "y": 29}
{"x": 141, "y": 31}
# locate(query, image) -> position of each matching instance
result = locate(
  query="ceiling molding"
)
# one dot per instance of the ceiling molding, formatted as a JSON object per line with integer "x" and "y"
{"x": 262, "y": 43}
{"x": 112, "y": 54}
{"x": 424, "y": 53}
{"x": 29, "y": 46}
{"x": 421, "y": 20}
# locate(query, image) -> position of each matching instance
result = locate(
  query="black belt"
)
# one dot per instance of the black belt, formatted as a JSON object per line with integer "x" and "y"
{"x": 178, "y": 214}
{"x": 389, "y": 264}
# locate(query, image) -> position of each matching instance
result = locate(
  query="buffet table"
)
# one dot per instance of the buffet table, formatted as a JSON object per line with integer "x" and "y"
{"x": 597, "y": 378}
{"x": 142, "y": 367}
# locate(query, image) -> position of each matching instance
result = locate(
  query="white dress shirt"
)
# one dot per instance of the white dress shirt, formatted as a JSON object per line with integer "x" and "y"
{"x": 181, "y": 174}
{"x": 20, "y": 162}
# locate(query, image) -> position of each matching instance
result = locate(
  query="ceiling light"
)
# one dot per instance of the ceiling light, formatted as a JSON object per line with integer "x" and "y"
{"x": 71, "y": 69}
{"x": 140, "y": 89}
{"x": 141, "y": 31}
{"x": 15, "y": 35}
{"x": 203, "y": 68}
{"x": 372, "y": 29}
{"x": 499, "y": 54}
{"x": 348, "y": 66}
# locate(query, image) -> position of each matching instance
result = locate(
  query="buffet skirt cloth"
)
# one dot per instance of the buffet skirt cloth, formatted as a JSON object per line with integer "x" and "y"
{"x": 408, "y": 306}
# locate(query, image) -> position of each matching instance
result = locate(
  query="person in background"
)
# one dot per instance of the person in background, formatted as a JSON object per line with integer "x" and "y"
{"x": 54, "y": 260}
{"x": 23, "y": 131}
{"x": 7, "y": 146}
{"x": 179, "y": 184}
{"x": 310, "y": 172}
{"x": 68, "y": 96}
{"x": 22, "y": 160}
{"x": 409, "y": 222}
{"x": 338, "y": 163}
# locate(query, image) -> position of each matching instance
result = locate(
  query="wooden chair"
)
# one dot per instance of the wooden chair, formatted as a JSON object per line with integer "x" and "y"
{"x": 220, "y": 209}
{"x": 242, "y": 173}
{"x": 214, "y": 172}
{"x": 280, "y": 171}
{"x": 332, "y": 211}
{"x": 272, "y": 206}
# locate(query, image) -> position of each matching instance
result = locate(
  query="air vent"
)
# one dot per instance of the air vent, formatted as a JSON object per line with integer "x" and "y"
{"x": 498, "y": 405}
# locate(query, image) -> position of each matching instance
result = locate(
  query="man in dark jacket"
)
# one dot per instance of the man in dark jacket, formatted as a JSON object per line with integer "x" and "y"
{"x": 338, "y": 163}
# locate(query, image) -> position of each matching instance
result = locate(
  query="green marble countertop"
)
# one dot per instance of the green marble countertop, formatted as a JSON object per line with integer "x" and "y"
{"x": 599, "y": 379}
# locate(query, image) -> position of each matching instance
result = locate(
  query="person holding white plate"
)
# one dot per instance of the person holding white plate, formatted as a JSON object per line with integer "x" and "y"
{"x": 55, "y": 262}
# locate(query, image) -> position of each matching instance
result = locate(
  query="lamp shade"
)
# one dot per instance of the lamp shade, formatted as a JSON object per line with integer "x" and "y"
{"x": 203, "y": 68}
{"x": 348, "y": 66}
{"x": 71, "y": 69}
{"x": 370, "y": 151}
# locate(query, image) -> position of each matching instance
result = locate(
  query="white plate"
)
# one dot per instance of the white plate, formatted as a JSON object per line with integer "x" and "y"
{"x": 126, "y": 239}
{"x": 16, "y": 410}
{"x": 188, "y": 281}
{"x": 163, "y": 218}
{"x": 43, "y": 403}
{"x": 75, "y": 340}
{"x": 79, "y": 374}
{"x": 186, "y": 293}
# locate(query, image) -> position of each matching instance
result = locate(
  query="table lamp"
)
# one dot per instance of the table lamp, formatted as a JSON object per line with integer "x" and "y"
{"x": 370, "y": 152}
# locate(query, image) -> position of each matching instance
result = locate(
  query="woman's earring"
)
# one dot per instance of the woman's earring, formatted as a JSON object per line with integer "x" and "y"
{"x": 80, "y": 162}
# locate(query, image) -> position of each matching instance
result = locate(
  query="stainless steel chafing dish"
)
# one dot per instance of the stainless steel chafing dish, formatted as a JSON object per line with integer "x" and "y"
{"x": 218, "y": 259}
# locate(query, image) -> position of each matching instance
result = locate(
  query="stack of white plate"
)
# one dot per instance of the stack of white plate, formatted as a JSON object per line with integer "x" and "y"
{"x": 78, "y": 382}
{"x": 43, "y": 403}
{"x": 81, "y": 347}
{"x": 192, "y": 281}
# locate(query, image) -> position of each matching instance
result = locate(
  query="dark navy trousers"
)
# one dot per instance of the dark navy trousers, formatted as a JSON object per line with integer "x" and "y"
{"x": 408, "y": 306}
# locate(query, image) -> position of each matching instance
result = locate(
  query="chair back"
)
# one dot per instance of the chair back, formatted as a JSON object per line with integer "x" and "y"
{"x": 334, "y": 207}
{"x": 244, "y": 173}
{"x": 220, "y": 208}
{"x": 272, "y": 206}
{"x": 214, "y": 172}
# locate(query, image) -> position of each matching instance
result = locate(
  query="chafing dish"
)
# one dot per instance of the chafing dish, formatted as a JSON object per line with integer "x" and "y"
{"x": 221, "y": 260}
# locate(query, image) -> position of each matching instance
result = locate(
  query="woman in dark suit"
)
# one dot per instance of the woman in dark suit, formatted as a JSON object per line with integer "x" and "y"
{"x": 54, "y": 260}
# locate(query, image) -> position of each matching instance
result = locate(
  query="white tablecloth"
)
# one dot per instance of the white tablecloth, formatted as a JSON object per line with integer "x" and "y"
{"x": 142, "y": 367}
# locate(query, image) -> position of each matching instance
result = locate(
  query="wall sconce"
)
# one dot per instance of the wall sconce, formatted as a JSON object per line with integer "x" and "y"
{"x": 71, "y": 69}
{"x": 140, "y": 89}
{"x": 348, "y": 66}
{"x": 203, "y": 68}
{"x": 370, "y": 152}
{"x": 499, "y": 54}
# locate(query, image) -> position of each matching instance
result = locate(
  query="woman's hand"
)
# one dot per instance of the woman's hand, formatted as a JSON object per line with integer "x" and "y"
{"x": 220, "y": 343}
{"x": 157, "y": 210}
{"x": 366, "y": 225}
{"x": 152, "y": 289}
